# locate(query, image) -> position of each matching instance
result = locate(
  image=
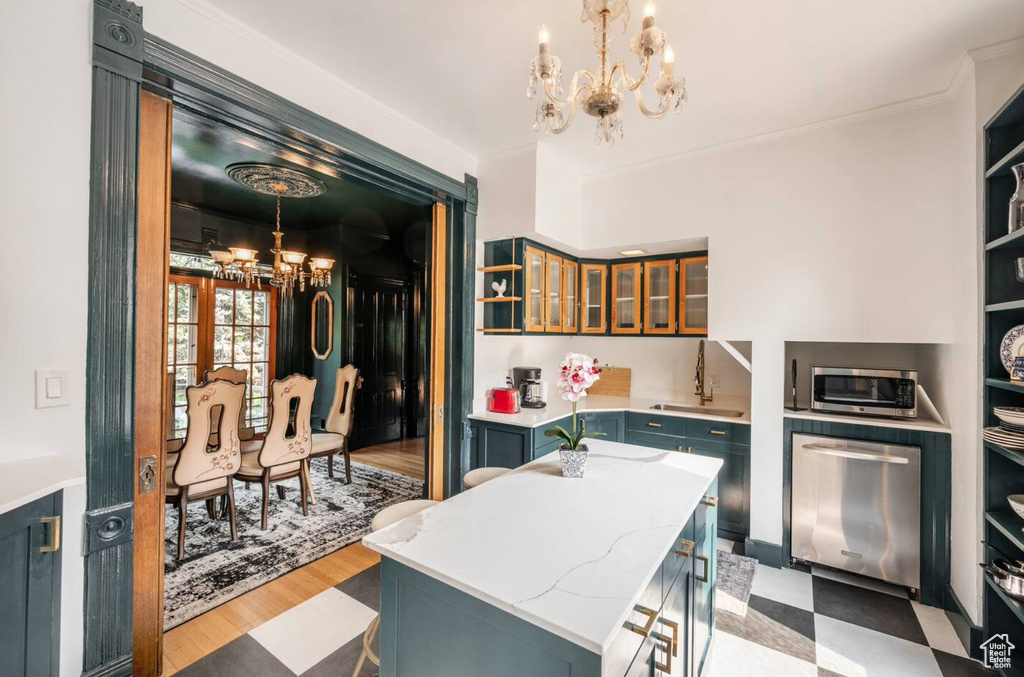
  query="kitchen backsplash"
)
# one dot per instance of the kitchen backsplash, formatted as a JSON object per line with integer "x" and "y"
{"x": 662, "y": 367}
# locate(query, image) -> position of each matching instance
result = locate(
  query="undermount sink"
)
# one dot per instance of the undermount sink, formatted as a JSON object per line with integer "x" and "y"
{"x": 732, "y": 413}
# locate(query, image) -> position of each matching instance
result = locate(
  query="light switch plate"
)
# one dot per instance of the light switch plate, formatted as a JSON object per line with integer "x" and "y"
{"x": 52, "y": 388}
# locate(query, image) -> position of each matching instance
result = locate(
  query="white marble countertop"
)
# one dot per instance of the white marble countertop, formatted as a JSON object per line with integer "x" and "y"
{"x": 558, "y": 408}
{"x": 23, "y": 481}
{"x": 920, "y": 423}
{"x": 571, "y": 556}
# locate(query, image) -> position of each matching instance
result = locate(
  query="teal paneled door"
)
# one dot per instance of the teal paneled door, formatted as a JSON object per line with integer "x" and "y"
{"x": 29, "y": 589}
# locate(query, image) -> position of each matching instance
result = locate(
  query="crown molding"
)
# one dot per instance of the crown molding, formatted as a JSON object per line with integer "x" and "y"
{"x": 278, "y": 51}
{"x": 509, "y": 153}
{"x": 996, "y": 50}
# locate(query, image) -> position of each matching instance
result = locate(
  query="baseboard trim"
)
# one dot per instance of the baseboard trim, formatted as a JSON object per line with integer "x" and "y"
{"x": 769, "y": 554}
{"x": 970, "y": 635}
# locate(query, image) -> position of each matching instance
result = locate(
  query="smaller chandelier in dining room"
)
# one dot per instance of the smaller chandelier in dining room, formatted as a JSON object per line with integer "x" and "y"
{"x": 242, "y": 265}
{"x": 598, "y": 93}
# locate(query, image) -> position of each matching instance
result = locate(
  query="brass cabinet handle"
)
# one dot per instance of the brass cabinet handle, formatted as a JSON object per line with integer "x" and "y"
{"x": 707, "y": 569}
{"x": 688, "y": 545}
{"x": 675, "y": 637}
{"x": 679, "y": 448}
{"x": 666, "y": 644}
{"x": 689, "y": 450}
{"x": 717, "y": 432}
{"x": 652, "y": 424}
{"x": 710, "y": 501}
{"x": 645, "y": 630}
{"x": 54, "y": 543}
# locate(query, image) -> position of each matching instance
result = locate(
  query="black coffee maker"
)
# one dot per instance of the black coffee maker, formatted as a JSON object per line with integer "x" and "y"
{"x": 527, "y": 380}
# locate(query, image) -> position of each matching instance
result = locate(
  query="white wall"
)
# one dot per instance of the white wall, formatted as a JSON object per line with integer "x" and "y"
{"x": 508, "y": 196}
{"x": 559, "y": 196}
{"x": 44, "y": 215}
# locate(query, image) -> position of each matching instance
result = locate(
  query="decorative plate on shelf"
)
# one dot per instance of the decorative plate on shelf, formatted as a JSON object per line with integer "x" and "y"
{"x": 1011, "y": 347}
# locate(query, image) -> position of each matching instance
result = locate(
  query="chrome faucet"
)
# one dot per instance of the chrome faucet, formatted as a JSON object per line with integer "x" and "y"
{"x": 698, "y": 379}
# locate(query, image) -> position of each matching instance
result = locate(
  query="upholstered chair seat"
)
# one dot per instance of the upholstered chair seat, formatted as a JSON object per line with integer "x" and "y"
{"x": 251, "y": 466}
{"x": 327, "y": 442}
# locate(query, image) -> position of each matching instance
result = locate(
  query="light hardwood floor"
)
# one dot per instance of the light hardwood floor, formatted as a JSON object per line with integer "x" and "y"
{"x": 204, "y": 634}
{"x": 402, "y": 456}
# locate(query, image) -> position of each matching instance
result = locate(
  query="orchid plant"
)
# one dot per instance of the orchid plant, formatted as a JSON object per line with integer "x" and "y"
{"x": 577, "y": 373}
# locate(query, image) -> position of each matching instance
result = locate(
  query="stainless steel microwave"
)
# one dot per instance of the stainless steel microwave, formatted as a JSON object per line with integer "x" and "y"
{"x": 874, "y": 392}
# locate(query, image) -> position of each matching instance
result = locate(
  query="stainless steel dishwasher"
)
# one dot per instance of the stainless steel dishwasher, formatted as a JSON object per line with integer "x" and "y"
{"x": 857, "y": 506}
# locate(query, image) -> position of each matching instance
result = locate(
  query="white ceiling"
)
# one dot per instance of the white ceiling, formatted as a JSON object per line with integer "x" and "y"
{"x": 460, "y": 67}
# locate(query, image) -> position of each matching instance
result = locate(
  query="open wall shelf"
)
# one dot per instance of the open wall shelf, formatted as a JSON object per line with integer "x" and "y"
{"x": 1004, "y": 309}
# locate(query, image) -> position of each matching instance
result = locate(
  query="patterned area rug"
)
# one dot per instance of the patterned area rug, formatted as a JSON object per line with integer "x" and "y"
{"x": 215, "y": 570}
{"x": 735, "y": 579}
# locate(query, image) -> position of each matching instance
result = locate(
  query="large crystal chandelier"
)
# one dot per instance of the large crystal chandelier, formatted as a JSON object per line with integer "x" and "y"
{"x": 242, "y": 265}
{"x": 598, "y": 94}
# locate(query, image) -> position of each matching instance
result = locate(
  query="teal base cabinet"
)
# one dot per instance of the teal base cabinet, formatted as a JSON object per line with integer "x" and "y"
{"x": 612, "y": 424}
{"x": 430, "y": 629}
{"x": 729, "y": 442}
{"x": 30, "y": 589}
{"x": 500, "y": 445}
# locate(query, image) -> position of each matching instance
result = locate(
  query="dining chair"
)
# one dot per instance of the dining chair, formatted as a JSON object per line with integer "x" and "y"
{"x": 201, "y": 471}
{"x": 338, "y": 426}
{"x": 235, "y": 376}
{"x": 283, "y": 453}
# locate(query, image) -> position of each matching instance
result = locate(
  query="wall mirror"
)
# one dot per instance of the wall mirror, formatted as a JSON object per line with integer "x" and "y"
{"x": 322, "y": 334}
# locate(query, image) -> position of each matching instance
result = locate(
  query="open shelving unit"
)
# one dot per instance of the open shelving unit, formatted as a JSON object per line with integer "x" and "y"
{"x": 1004, "y": 309}
{"x": 500, "y": 311}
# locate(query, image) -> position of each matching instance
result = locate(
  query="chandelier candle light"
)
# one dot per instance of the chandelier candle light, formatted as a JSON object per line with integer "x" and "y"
{"x": 240, "y": 264}
{"x": 599, "y": 94}
{"x": 576, "y": 374}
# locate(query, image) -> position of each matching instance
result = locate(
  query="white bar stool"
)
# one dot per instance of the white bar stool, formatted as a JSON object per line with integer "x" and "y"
{"x": 475, "y": 478}
{"x": 385, "y": 518}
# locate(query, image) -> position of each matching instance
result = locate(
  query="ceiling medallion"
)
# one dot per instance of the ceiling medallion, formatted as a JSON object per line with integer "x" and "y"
{"x": 598, "y": 93}
{"x": 275, "y": 180}
{"x": 237, "y": 263}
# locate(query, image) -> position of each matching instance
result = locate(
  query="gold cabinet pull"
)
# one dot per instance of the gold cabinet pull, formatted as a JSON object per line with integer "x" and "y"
{"x": 54, "y": 543}
{"x": 675, "y": 637}
{"x": 689, "y": 450}
{"x": 717, "y": 432}
{"x": 666, "y": 644}
{"x": 644, "y": 630}
{"x": 707, "y": 569}
{"x": 652, "y": 424}
{"x": 679, "y": 448}
{"x": 710, "y": 501}
{"x": 685, "y": 548}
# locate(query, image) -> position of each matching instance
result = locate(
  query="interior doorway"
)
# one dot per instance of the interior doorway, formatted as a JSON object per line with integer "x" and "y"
{"x": 385, "y": 326}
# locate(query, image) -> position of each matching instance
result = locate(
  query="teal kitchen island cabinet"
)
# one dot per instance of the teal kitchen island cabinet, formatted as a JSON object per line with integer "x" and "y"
{"x": 612, "y": 575}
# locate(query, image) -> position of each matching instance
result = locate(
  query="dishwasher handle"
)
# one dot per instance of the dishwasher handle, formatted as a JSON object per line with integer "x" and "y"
{"x": 859, "y": 455}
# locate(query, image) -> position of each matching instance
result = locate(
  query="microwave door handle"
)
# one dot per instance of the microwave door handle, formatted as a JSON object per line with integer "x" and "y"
{"x": 859, "y": 455}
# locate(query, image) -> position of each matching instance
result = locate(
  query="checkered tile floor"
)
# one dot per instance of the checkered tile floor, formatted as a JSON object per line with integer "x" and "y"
{"x": 322, "y": 636}
{"x": 799, "y": 623}
{"x": 821, "y": 623}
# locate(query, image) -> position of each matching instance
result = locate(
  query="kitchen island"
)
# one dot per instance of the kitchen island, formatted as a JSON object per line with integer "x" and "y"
{"x": 535, "y": 574}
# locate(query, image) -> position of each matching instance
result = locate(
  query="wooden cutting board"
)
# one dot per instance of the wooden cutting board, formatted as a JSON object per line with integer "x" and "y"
{"x": 614, "y": 381}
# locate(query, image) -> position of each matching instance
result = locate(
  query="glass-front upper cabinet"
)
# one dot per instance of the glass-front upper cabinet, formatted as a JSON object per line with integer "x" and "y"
{"x": 693, "y": 295}
{"x": 660, "y": 297}
{"x": 553, "y": 289}
{"x": 626, "y": 298}
{"x": 533, "y": 283}
{"x": 594, "y": 287}
{"x": 570, "y": 301}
